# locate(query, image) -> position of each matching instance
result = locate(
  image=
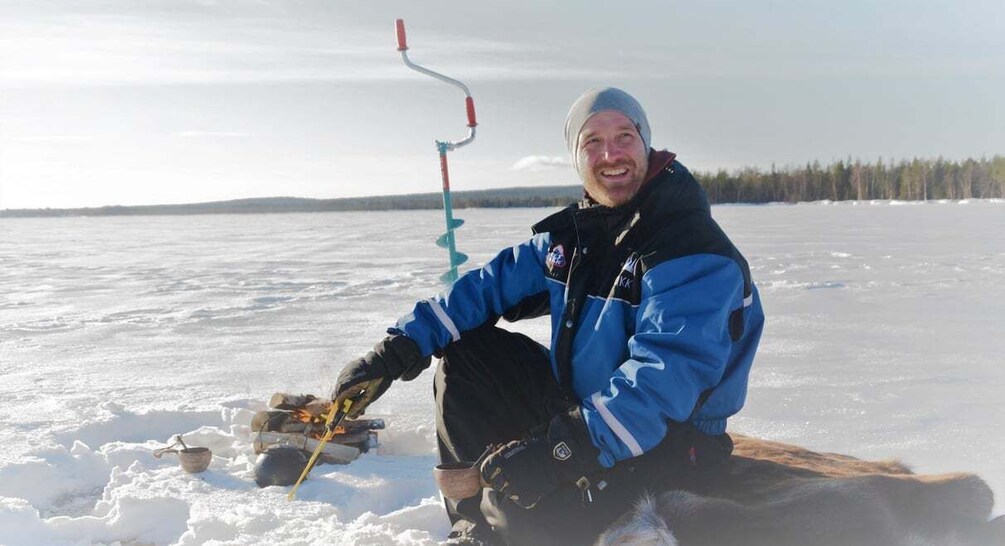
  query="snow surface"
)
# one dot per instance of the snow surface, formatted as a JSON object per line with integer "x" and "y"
{"x": 884, "y": 339}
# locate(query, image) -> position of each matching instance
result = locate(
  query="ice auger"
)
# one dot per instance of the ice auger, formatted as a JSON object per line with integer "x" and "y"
{"x": 447, "y": 239}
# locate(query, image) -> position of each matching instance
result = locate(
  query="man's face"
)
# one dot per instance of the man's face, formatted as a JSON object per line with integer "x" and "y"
{"x": 611, "y": 158}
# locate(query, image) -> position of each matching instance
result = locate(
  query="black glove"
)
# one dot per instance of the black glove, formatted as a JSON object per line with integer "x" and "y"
{"x": 395, "y": 357}
{"x": 527, "y": 470}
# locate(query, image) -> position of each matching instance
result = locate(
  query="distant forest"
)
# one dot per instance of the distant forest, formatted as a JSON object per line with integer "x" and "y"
{"x": 918, "y": 179}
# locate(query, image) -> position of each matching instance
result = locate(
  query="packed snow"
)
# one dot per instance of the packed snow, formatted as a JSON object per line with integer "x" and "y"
{"x": 883, "y": 339}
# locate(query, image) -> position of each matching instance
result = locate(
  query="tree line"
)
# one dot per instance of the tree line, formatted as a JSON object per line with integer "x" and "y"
{"x": 917, "y": 179}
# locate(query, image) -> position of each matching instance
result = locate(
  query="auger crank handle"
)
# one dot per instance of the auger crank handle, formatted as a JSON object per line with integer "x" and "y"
{"x": 399, "y": 32}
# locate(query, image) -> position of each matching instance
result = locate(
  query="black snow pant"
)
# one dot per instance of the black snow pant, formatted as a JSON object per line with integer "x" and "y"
{"x": 493, "y": 386}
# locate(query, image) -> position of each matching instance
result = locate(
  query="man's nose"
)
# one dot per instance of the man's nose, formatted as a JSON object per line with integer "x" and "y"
{"x": 611, "y": 149}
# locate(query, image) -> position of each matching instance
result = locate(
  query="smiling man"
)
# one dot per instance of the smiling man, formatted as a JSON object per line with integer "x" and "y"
{"x": 655, "y": 322}
{"x": 610, "y": 152}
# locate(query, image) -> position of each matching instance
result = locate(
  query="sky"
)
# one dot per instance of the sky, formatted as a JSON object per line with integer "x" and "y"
{"x": 133, "y": 102}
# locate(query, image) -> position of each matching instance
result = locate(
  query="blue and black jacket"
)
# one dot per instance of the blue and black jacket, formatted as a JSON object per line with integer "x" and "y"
{"x": 654, "y": 316}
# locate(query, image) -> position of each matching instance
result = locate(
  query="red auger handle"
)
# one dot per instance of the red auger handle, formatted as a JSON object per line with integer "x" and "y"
{"x": 399, "y": 31}
{"x": 470, "y": 102}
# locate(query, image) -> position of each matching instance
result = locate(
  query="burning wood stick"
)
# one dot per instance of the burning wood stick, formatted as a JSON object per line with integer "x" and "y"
{"x": 298, "y": 420}
{"x": 332, "y": 452}
{"x": 284, "y": 400}
{"x": 279, "y": 421}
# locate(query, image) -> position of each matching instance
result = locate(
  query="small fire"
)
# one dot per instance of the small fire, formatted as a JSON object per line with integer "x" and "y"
{"x": 294, "y": 419}
{"x": 316, "y": 420}
{"x": 305, "y": 416}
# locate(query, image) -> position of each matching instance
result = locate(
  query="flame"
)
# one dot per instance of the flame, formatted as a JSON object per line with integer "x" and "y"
{"x": 305, "y": 416}
{"x": 317, "y": 421}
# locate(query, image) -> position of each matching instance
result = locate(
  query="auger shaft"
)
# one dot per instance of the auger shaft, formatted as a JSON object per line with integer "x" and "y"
{"x": 447, "y": 240}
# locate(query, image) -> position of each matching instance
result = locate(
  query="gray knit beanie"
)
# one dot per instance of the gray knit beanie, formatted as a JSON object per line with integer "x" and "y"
{"x": 600, "y": 99}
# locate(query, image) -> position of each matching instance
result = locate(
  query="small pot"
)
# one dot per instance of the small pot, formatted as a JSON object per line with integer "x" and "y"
{"x": 458, "y": 481}
{"x": 193, "y": 459}
{"x": 463, "y": 479}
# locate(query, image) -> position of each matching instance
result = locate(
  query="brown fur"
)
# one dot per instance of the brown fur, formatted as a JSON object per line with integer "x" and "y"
{"x": 776, "y": 494}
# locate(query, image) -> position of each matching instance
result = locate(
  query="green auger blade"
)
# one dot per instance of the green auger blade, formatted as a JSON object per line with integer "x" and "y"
{"x": 442, "y": 241}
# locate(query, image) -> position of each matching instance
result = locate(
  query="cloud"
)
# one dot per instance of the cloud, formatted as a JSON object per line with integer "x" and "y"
{"x": 537, "y": 163}
{"x": 252, "y": 43}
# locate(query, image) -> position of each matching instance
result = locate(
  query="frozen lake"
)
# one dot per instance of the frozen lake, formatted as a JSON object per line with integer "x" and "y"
{"x": 885, "y": 338}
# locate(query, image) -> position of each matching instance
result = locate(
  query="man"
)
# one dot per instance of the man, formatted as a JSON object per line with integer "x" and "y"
{"x": 655, "y": 323}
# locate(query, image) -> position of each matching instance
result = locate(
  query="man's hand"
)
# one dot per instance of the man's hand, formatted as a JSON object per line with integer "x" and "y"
{"x": 527, "y": 470}
{"x": 394, "y": 357}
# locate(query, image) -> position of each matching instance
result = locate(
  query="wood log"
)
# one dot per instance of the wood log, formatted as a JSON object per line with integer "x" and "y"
{"x": 277, "y": 421}
{"x": 282, "y": 400}
{"x": 332, "y": 452}
{"x": 283, "y": 421}
{"x": 359, "y": 425}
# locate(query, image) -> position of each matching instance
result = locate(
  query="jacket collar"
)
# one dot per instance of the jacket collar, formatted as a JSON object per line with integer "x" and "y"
{"x": 661, "y": 195}
{"x": 658, "y": 160}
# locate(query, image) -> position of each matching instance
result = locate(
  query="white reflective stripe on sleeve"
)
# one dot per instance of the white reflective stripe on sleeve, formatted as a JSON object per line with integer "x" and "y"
{"x": 748, "y": 300}
{"x": 619, "y": 430}
{"x": 444, "y": 319}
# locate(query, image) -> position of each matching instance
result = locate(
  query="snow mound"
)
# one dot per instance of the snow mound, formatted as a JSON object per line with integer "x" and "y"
{"x": 111, "y": 489}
